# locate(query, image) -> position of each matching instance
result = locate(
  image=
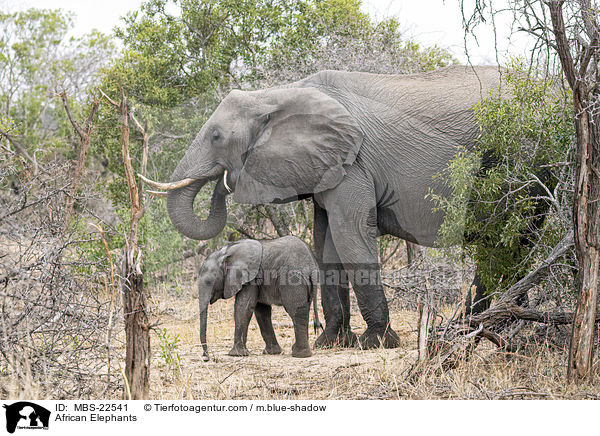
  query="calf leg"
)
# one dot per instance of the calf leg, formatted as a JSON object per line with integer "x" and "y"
{"x": 300, "y": 315}
{"x": 245, "y": 303}
{"x": 263, "y": 317}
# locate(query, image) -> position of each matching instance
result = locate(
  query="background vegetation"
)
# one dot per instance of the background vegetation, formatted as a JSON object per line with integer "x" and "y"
{"x": 511, "y": 201}
{"x": 61, "y": 318}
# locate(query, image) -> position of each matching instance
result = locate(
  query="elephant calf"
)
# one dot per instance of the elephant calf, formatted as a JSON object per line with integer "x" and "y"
{"x": 280, "y": 271}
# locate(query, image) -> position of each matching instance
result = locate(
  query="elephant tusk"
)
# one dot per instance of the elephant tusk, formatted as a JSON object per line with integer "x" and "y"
{"x": 157, "y": 193}
{"x": 167, "y": 186}
{"x": 225, "y": 182}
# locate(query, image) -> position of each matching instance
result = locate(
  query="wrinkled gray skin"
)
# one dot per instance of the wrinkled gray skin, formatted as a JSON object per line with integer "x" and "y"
{"x": 281, "y": 272}
{"x": 365, "y": 147}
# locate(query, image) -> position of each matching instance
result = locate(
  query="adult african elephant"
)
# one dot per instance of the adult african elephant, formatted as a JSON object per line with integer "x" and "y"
{"x": 365, "y": 147}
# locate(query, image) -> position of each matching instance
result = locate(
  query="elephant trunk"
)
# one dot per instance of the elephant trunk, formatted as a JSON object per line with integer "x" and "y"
{"x": 203, "y": 320}
{"x": 180, "y": 205}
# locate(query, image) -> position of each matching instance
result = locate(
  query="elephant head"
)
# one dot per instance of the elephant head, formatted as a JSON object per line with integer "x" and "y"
{"x": 266, "y": 146}
{"x": 223, "y": 274}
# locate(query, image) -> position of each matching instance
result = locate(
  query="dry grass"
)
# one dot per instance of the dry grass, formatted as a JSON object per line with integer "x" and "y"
{"x": 536, "y": 372}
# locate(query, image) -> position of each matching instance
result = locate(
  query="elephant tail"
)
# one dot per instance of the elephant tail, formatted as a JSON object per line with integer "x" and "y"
{"x": 314, "y": 281}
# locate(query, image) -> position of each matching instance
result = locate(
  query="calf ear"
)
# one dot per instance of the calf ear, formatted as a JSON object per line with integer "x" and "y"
{"x": 303, "y": 142}
{"x": 243, "y": 259}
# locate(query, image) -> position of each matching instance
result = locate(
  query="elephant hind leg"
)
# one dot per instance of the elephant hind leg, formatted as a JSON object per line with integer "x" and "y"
{"x": 263, "y": 318}
{"x": 296, "y": 302}
{"x": 374, "y": 337}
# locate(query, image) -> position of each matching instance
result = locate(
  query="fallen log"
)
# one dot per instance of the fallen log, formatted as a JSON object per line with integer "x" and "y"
{"x": 460, "y": 337}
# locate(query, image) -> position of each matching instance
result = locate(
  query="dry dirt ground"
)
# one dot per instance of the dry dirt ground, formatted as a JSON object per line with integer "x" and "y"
{"x": 536, "y": 372}
{"x": 327, "y": 374}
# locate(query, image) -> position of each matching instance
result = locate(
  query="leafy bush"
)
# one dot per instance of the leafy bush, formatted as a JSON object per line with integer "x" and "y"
{"x": 169, "y": 349}
{"x": 510, "y": 194}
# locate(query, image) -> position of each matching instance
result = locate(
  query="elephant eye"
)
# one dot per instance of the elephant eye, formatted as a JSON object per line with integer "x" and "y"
{"x": 215, "y": 136}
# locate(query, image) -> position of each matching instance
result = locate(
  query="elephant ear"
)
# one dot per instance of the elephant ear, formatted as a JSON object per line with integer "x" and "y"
{"x": 303, "y": 143}
{"x": 241, "y": 265}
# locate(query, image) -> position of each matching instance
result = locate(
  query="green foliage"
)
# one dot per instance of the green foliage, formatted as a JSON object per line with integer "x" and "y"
{"x": 212, "y": 45}
{"x": 179, "y": 57}
{"x": 169, "y": 349}
{"x": 170, "y": 58}
{"x": 500, "y": 190}
{"x": 36, "y": 62}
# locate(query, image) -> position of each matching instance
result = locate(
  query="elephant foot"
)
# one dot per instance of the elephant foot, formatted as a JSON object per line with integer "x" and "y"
{"x": 345, "y": 338}
{"x": 348, "y": 339}
{"x": 238, "y": 351}
{"x": 371, "y": 338}
{"x": 302, "y": 352}
{"x": 272, "y": 349}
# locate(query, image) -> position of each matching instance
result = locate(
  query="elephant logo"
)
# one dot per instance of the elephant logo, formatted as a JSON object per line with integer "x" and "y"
{"x": 24, "y": 414}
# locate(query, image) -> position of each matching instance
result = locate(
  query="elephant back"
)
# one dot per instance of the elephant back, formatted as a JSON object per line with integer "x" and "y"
{"x": 288, "y": 260}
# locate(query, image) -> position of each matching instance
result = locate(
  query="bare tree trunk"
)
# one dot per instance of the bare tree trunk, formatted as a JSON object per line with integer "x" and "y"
{"x": 137, "y": 327}
{"x": 585, "y": 212}
{"x": 586, "y": 200}
{"x": 137, "y": 352}
{"x": 276, "y": 219}
{"x": 582, "y": 342}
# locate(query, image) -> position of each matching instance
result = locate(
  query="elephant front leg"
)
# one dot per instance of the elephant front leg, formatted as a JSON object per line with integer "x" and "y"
{"x": 245, "y": 303}
{"x": 263, "y": 317}
{"x": 353, "y": 224}
{"x": 335, "y": 292}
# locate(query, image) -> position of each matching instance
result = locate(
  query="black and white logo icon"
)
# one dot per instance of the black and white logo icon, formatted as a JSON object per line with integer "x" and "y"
{"x": 26, "y": 415}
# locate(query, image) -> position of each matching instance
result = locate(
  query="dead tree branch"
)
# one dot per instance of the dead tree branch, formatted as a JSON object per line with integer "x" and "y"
{"x": 84, "y": 132}
{"x": 459, "y": 338}
{"x": 137, "y": 327}
{"x": 20, "y": 150}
